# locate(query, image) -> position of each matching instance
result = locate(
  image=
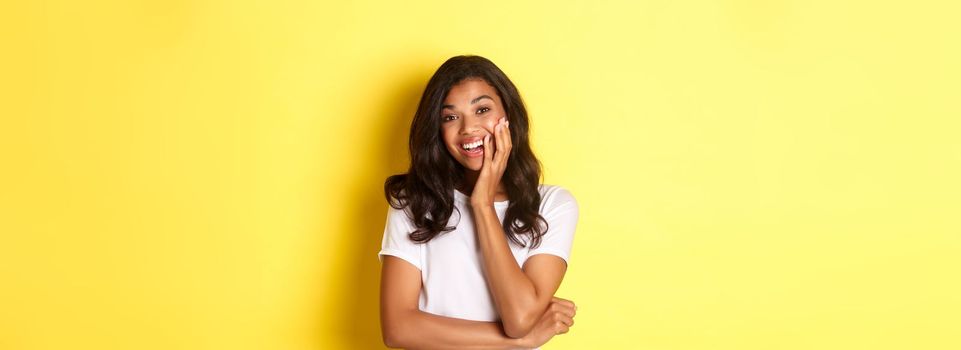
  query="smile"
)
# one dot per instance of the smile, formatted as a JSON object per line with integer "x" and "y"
{"x": 473, "y": 149}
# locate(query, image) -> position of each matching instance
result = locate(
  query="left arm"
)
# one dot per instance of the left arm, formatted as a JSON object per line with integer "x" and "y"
{"x": 520, "y": 295}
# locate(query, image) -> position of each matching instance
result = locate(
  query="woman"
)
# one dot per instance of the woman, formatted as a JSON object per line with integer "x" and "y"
{"x": 474, "y": 246}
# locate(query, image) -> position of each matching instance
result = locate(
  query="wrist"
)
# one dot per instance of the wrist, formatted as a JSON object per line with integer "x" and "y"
{"x": 481, "y": 205}
{"x": 522, "y": 343}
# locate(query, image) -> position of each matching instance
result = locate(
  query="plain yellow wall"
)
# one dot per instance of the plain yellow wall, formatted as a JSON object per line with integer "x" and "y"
{"x": 751, "y": 174}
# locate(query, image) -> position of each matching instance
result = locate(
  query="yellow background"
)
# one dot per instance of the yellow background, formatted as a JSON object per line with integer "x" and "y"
{"x": 751, "y": 174}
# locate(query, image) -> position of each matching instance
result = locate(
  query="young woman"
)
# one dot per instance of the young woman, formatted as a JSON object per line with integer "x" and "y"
{"x": 474, "y": 246}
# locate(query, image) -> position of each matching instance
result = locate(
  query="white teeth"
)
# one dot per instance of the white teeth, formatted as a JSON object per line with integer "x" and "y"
{"x": 473, "y": 144}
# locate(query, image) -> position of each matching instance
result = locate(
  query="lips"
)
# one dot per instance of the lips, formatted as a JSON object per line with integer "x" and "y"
{"x": 476, "y": 147}
{"x": 470, "y": 140}
{"x": 476, "y": 152}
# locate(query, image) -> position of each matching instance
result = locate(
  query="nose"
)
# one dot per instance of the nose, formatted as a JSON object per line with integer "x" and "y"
{"x": 470, "y": 125}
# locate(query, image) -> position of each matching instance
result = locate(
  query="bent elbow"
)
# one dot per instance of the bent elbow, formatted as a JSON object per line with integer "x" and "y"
{"x": 391, "y": 343}
{"x": 392, "y": 333}
{"x": 519, "y": 327}
{"x": 517, "y": 332}
{"x": 392, "y": 340}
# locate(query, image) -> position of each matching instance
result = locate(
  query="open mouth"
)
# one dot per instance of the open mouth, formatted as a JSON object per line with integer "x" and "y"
{"x": 473, "y": 149}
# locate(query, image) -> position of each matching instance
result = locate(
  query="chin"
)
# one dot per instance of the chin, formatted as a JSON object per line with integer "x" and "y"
{"x": 472, "y": 166}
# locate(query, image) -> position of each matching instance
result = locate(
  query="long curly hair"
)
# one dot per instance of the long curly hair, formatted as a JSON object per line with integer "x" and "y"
{"x": 427, "y": 189}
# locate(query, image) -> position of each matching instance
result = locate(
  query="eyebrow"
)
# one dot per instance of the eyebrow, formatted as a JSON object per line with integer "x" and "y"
{"x": 478, "y": 98}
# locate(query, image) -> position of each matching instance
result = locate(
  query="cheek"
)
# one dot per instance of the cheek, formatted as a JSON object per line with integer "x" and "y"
{"x": 489, "y": 124}
{"x": 449, "y": 135}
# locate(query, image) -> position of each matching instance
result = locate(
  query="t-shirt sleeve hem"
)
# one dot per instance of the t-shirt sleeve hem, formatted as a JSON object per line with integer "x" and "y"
{"x": 400, "y": 254}
{"x": 554, "y": 252}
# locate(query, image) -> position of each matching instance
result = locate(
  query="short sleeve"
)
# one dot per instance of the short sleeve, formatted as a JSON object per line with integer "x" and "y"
{"x": 561, "y": 213}
{"x": 396, "y": 240}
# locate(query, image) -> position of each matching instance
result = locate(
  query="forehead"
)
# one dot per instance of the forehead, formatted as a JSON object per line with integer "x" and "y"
{"x": 464, "y": 91}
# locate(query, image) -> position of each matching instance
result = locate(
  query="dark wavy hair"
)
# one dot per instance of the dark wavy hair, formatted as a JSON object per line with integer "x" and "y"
{"x": 427, "y": 189}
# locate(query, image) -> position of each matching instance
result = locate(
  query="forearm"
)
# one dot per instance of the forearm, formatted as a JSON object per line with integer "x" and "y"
{"x": 421, "y": 330}
{"x": 513, "y": 292}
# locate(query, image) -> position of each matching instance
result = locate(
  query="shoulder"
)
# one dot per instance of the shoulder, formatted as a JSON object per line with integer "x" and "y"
{"x": 399, "y": 215}
{"x": 553, "y": 196}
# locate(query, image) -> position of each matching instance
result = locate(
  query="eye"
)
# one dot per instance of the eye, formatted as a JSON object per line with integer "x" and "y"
{"x": 482, "y": 110}
{"x": 449, "y": 117}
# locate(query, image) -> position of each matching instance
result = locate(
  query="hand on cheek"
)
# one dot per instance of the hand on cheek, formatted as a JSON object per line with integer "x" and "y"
{"x": 497, "y": 150}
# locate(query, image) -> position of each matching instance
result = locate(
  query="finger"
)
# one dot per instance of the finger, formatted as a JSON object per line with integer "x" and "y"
{"x": 487, "y": 151}
{"x": 565, "y": 301}
{"x": 563, "y": 309}
{"x": 563, "y": 319}
{"x": 502, "y": 143}
{"x": 507, "y": 138}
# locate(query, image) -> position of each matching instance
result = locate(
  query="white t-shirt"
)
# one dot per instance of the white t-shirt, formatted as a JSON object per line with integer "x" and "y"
{"x": 451, "y": 264}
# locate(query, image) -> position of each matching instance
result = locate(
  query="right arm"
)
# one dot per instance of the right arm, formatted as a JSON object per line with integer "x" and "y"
{"x": 403, "y": 325}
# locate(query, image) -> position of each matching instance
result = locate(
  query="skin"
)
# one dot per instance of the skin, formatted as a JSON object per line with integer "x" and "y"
{"x": 403, "y": 325}
{"x": 524, "y": 296}
{"x": 472, "y": 109}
